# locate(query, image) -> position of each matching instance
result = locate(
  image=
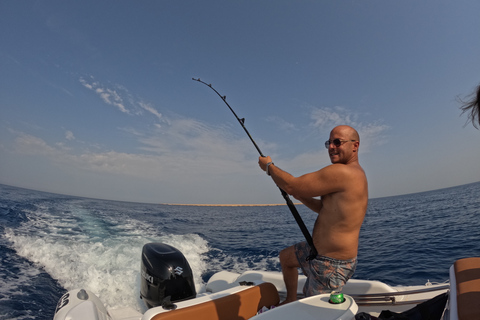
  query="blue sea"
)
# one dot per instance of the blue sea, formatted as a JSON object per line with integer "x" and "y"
{"x": 52, "y": 243}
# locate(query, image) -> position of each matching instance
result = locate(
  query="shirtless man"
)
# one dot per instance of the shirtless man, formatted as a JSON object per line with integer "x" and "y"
{"x": 343, "y": 191}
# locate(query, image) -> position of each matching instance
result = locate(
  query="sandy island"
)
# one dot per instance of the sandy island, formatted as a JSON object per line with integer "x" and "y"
{"x": 228, "y": 205}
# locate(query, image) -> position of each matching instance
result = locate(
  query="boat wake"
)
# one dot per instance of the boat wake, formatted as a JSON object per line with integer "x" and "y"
{"x": 75, "y": 252}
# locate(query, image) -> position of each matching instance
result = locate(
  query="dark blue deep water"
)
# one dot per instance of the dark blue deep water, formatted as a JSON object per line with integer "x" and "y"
{"x": 51, "y": 243}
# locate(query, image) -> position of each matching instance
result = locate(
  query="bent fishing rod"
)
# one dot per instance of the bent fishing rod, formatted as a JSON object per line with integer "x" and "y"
{"x": 290, "y": 204}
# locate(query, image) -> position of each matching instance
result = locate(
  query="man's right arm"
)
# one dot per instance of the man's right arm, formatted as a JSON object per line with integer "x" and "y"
{"x": 316, "y": 184}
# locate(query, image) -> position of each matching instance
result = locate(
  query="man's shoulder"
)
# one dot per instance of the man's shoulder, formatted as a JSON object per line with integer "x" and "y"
{"x": 348, "y": 168}
{"x": 345, "y": 174}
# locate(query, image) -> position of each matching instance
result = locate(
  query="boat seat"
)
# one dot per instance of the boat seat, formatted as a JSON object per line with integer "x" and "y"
{"x": 467, "y": 275}
{"x": 238, "y": 306}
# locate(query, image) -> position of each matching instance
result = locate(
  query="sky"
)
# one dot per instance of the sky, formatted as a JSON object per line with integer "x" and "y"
{"x": 97, "y": 97}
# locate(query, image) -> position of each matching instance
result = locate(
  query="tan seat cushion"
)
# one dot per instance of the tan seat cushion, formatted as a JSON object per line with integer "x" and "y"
{"x": 467, "y": 275}
{"x": 239, "y": 306}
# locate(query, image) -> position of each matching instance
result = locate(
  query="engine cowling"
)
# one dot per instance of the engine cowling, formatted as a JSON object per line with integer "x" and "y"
{"x": 166, "y": 276}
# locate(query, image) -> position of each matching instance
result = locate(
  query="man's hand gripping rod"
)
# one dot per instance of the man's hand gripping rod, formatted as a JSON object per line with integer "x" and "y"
{"x": 290, "y": 204}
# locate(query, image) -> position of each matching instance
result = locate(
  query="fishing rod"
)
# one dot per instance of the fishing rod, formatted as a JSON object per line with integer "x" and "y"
{"x": 290, "y": 204}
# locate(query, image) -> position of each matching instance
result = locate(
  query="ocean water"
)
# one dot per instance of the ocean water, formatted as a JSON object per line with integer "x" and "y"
{"x": 52, "y": 243}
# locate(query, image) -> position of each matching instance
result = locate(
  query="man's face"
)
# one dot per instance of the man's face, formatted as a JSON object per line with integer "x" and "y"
{"x": 340, "y": 148}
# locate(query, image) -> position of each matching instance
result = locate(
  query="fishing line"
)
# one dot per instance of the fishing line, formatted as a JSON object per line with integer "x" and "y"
{"x": 290, "y": 204}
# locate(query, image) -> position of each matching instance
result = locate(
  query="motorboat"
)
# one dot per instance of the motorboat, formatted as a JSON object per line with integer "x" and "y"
{"x": 168, "y": 291}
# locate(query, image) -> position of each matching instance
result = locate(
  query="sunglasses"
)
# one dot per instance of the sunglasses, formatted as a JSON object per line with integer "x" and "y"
{"x": 336, "y": 142}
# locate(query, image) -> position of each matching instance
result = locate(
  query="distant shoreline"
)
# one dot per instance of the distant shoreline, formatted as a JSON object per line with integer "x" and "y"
{"x": 228, "y": 205}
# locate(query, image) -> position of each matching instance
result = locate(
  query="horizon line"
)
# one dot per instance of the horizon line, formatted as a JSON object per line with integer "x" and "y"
{"x": 228, "y": 205}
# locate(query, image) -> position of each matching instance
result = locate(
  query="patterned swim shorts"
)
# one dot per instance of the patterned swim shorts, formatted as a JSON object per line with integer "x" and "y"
{"x": 324, "y": 274}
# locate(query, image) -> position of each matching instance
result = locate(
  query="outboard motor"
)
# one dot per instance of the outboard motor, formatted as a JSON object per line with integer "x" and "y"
{"x": 166, "y": 276}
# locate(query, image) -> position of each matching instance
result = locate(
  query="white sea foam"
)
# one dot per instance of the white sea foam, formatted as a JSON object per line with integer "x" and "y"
{"x": 107, "y": 265}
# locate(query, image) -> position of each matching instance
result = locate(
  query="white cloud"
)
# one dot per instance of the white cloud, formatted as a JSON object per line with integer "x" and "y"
{"x": 370, "y": 133}
{"x": 109, "y": 96}
{"x": 184, "y": 148}
{"x": 86, "y": 84}
{"x": 191, "y": 138}
{"x": 69, "y": 135}
{"x": 331, "y": 117}
{"x": 120, "y": 97}
{"x": 28, "y": 144}
{"x": 106, "y": 162}
{"x": 150, "y": 109}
